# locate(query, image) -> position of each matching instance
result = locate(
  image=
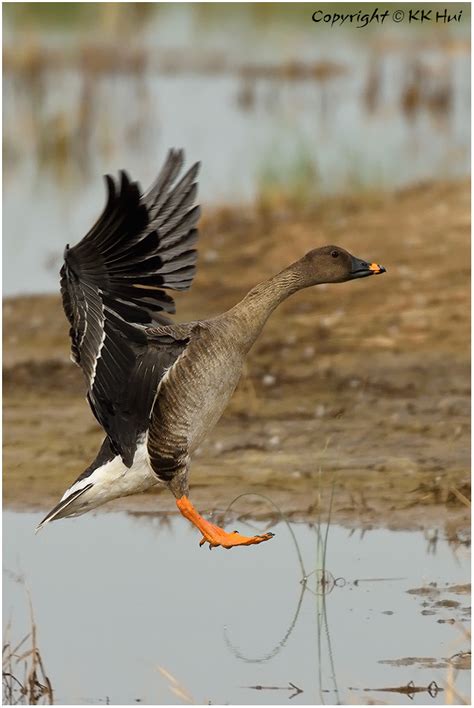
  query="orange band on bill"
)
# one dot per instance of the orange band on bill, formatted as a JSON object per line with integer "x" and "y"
{"x": 375, "y": 267}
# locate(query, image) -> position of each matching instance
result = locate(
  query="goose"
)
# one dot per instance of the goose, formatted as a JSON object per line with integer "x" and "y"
{"x": 157, "y": 387}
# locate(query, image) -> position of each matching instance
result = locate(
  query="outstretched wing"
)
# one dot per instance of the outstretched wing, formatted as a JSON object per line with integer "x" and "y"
{"x": 113, "y": 285}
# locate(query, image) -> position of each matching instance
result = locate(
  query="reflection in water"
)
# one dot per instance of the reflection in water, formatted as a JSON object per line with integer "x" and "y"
{"x": 282, "y": 517}
{"x": 288, "y": 632}
{"x": 266, "y": 657}
{"x": 321, "y": 609}
{"x": 323, "y": 626}
{"x": 325, "y": 583}
{"x": 139, "y": 588}
{"x": 409, "y": 690}
{"x": 349, "y": 116}
{"x": 62, "y": 107}
{"x": 291, "y": 687}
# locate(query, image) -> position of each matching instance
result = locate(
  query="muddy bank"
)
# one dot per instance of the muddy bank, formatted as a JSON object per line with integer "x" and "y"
{"x": 362, "y": 387}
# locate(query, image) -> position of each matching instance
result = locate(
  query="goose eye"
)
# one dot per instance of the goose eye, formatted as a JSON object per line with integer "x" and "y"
{"x": 334, "y": 254}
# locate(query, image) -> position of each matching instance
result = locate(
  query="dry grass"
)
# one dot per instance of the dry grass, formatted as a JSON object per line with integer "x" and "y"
{"x": 453, "y": 697}
{"x": 461, "y": 497}
{"x": 176, "y": 687}
{"x": 25, "y": 681}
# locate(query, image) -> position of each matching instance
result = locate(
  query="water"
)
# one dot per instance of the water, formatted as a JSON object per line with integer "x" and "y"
{"x": 255, "y": 133}
{"x": 117, "y": 596}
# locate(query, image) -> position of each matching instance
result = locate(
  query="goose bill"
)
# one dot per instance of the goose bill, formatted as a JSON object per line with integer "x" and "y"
{"x": 362, "y": 269}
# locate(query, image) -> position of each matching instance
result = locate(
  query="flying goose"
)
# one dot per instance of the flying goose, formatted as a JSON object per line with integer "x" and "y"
{"x": 157, "y": 388}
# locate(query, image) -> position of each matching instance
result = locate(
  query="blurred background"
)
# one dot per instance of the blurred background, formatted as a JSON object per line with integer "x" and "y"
{"x": 273, "y": 104}
{"x": 352, "y": 418}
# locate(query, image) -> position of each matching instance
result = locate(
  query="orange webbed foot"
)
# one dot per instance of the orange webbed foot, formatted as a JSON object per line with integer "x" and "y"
{"x": 214, "y": 535}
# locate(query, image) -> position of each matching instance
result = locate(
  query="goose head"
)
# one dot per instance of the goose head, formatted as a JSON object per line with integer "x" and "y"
{"x": 333, "y": 264}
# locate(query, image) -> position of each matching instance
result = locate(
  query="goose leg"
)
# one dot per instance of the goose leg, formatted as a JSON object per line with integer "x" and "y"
{"x": 213, "y": 534}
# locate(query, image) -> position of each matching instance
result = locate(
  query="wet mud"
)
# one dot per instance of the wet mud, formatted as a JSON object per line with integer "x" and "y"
{"x": 358, "y": 391}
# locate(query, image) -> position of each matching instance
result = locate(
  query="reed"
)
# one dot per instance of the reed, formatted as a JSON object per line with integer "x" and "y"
{"x": 23, "y": 674}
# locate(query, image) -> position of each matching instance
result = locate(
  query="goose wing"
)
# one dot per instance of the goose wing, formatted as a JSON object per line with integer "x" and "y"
{"x": 113, "y": 287}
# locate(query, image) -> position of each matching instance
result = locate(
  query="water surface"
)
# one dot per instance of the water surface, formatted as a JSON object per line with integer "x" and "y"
{"x": 117, "y": 596}
{"x": 365, "y": 117}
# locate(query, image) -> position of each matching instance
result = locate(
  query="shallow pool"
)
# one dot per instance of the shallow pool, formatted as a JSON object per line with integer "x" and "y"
{"x": 117, "y": 597}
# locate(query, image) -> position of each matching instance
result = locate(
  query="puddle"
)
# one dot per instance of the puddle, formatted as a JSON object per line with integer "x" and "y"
{"x": 118, "y": 596}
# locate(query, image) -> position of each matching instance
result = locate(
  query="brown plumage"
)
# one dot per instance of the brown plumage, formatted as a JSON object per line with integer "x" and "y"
{"x": 158, "y": 388}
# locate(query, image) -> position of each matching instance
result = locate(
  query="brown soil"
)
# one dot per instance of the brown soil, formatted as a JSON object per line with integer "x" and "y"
{"x": 362, "y": 387}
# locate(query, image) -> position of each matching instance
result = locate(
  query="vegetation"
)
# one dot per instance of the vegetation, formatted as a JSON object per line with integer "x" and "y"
{"x": 23, "y": 674}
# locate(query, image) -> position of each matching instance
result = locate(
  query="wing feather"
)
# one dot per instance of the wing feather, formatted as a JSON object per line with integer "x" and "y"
{"x": 158, "y": 192}
{"x": 113, "y": 286}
